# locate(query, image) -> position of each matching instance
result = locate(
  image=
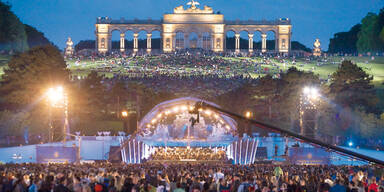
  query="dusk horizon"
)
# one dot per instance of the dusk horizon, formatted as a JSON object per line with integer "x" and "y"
{"x": 310, "y": 20}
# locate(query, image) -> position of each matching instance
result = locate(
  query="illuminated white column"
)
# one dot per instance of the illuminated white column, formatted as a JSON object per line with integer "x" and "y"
{"x": 122, "y": 42}
{"x": 240, "y": 149}
{"x": 186, "y": 41}
{"x": 250, "y": 43}
{"x": 237, "y": 43}
{"x": 246, "y": 152}
{"x": 135, "y": 42}
{"x": 149, "y": 42}
{"x": 263, "y": 43}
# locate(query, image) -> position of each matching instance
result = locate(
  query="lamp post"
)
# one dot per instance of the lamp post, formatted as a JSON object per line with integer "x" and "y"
{"x": 124, "y": 115}
{"x": 309, "y": 101}
{"x": 248, "y": 115}
{"x": 58, "y": 98}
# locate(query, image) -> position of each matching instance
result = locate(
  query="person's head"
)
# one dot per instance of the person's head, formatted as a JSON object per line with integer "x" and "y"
{"x": 222, "y": 182}
{"x": 128, "y": 181}
{"x": 196, "y": 188}
{"x": 62, "y": 180}
{"x": 373, "y": 179}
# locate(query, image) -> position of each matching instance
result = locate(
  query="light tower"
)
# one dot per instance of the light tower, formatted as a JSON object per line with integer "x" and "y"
{"x": 58, "y": 99}
{"x": 309, "y": 101}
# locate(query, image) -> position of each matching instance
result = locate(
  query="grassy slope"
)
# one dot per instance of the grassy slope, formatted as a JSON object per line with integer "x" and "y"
{"x": 3, "y": 63}
{"x": 375, "y": 67}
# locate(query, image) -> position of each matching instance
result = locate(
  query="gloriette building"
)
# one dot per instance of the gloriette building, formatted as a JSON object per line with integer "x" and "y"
{"x": 193, "y": 28}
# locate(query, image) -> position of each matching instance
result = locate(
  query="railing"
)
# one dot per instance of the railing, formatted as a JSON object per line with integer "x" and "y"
{"x": 107, "y": 20}
{"x": 258, "y": 22}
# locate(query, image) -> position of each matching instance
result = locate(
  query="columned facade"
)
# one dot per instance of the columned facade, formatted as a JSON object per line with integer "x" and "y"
{"x": 200, "y": 28}
{"x": 237, "y": 43}
{"x": 264, "y": 42}
{"x": 149, "y": 42}
{"x": 250, "y": 43}
{"x": 122, "y": 42}
{"x": 135, "y": 42}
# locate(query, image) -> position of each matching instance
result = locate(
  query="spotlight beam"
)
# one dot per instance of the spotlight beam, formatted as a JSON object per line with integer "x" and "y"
{"x": 204, "y": 105}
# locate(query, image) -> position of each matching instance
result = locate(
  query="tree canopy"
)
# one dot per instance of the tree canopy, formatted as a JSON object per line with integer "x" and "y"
{"x": 12, "y": 32}
{"x": 368, "y": 37}
{"x": 345, "y": 42}
{"x": 365, "y": 37}
{"x": 35, "y": 37}
{"x": 16, "y": 36}
{"x": 351, "y": 87}
{"x": 31, "y": 73}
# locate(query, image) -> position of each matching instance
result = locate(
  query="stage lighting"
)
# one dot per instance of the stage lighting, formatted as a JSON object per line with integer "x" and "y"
{"x": 176, "y": 109}
{"x": 306, "y": 90}
{"x": 350, "y": 143}
{"x": 311, "y": 92}
{"x": 124, "y": 114}
{"x": 55, "y": 95}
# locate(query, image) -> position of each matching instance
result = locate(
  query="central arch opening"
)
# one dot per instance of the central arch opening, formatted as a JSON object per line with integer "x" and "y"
{"x": 193, "y": 40}
{"x": 207, "y": 42}
{"x": 179, "y": 40}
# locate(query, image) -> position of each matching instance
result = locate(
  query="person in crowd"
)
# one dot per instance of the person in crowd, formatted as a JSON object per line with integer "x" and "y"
{"x": 186, "y": 177}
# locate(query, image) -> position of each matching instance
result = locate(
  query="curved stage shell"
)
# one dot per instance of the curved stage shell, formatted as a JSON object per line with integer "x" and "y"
{"x": 170, "y": 124}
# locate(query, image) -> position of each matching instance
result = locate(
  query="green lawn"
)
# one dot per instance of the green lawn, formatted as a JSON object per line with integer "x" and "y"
{"x": 3, "y": 63}
{"x": 373, "y": 67}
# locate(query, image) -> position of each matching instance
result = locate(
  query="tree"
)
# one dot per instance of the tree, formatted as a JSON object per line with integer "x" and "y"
{"x": 31, "y": 73}
{"x": 380, "y": 28}
{"x": 35, "y": 37}
{"x": 238, "y": 101}
{"x": 298, "y": 46}
{"x": 292, "y": 84}
{"x": 85, "y": 44}
{"x": 12, "y": 33}
{"x": 266, "y": 91}
{"x": 118, "y": 97}
{"x": 368, "y": 37}
{"x": 345, "y": 42}
{"x": 12, "y": 123}
{"x": 351, "y": 86}
{"x": 94, "y": 92}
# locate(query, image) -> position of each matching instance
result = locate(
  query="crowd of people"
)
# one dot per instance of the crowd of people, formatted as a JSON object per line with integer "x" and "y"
{"x": 186, "y": 177}
{"x": 206, "y": 76}
{"x": 182, "y": 64}
{"x": 184, "y": 153}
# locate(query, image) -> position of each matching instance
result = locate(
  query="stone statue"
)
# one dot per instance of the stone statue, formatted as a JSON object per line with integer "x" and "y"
{"x": 207, "y": 8}
{"x": 316, "y": 48}
{"x": 317, "y": 44}
{"x": 193, "y": 4}
{"x": 69, "y": 48}
{"x": 179, "y": 9}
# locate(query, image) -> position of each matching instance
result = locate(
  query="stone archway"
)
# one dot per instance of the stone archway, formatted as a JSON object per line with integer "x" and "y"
{"x": 193, "y": 40}
{"x": 179, "y": 44}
